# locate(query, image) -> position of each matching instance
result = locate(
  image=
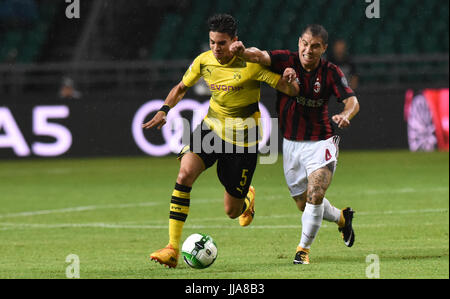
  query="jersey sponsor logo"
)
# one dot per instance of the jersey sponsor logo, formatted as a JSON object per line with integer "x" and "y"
{"x": 215, "y": 87}
{"x": 310, "y": 102}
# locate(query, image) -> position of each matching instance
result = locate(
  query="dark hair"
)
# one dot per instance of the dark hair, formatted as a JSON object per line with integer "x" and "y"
{"x": 223, "y": 23}
{"x": 317, "y": 30}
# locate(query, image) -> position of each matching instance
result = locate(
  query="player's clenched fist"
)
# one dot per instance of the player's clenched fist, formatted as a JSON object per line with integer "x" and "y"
{"x": 290, "y": 75}
{"x": 237, "y": 48}
{"x": 159, "y": 120}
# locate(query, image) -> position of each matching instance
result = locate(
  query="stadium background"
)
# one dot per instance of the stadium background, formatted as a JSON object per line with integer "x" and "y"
{"x": 119, "y": 55}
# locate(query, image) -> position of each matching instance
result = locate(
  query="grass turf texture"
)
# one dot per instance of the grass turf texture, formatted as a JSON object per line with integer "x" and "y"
{"x": 113, "y": 213}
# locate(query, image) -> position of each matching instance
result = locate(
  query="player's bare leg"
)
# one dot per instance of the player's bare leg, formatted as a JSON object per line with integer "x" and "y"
{"x": 300, "y": 201}
{"x": 318, "y": 183}
{"x": 244, "y": 208}
{"x": 191, "y": 167}
{"x": 233, "y": 205}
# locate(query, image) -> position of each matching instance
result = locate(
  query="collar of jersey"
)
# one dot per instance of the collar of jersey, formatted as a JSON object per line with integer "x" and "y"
{"x": 227, "y": 64}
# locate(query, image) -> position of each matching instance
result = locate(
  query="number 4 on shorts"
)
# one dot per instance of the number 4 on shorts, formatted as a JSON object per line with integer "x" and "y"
{"x": 327, "y": 155}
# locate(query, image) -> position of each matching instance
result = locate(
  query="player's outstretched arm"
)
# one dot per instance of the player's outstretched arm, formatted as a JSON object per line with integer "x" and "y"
{"x": 350, "y": 110}
{"x": 175, "y": 95}
{"x": 254, "y": 55}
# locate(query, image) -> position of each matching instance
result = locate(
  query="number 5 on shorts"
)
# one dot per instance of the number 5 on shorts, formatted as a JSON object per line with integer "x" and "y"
{"x": 244, "y": 177}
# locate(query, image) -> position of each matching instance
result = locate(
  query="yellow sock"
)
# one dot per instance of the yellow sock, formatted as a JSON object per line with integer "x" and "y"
{"x": 179, "y": 210}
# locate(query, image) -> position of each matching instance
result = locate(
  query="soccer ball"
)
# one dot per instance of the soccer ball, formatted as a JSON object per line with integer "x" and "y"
{"x": 199, "y": 251}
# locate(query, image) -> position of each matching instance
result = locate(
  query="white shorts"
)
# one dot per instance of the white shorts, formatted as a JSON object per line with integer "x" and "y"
{"x": 301, "y": 158}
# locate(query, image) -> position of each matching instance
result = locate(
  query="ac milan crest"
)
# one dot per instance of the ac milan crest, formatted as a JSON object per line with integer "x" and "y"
{"x": 317, "y": 87}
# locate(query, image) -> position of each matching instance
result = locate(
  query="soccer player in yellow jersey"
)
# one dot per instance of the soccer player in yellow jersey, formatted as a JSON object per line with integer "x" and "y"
{"x": 228, "y": 135}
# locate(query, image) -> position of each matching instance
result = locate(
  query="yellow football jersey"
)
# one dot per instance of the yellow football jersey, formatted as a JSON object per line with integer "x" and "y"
{"x": 235, "y": 88}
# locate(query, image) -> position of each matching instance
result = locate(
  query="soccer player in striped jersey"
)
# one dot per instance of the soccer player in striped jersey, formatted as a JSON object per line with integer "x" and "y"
{"x": 310, "y": 146}
{"x": 229, "y": 131}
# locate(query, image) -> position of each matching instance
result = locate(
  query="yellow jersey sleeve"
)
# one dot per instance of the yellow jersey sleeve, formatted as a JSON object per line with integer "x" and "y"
{"x": 193, "y": 73}
{"x": 263, "y": 74}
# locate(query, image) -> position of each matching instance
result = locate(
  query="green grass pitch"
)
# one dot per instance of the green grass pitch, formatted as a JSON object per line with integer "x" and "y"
{"x": 113, "y": 212}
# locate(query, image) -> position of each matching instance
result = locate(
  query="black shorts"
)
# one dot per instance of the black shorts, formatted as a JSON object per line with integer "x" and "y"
{"x": 235, "y": 165}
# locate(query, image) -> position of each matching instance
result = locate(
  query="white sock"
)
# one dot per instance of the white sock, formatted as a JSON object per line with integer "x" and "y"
{"x": 311, "y": 222}
{"x": 330, "y": 213}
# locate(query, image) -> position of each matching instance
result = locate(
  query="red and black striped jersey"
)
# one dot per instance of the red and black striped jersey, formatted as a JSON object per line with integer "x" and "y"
{"x": 305, "y": 117}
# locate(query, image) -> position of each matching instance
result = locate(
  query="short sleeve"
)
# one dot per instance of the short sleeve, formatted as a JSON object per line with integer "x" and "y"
{"x": 341, "y": 88}
{"x": 263, "y": 74}
{"x": 280, "y": 60}
{"x": 193, "y": 74}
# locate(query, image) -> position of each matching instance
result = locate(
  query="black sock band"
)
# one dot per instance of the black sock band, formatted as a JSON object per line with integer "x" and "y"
{"x": 182, "y": 188}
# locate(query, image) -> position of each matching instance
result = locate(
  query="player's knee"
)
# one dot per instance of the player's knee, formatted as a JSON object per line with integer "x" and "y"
{"x": 185, "y": 177}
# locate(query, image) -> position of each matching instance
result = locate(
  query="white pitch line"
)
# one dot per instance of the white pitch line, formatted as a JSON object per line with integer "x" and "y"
{"x": 77, "y": 209}
{"x": 298, "y": 215}
{"x": 402, "y": 212}
{"x": 405, "y": 190}
{"x": 197, "y": 201}
{"x": 9, "y": 226}
{"x": 130, "y": 225}
{"x": 81, "y": 225}
{"x": 93, "y": 207}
